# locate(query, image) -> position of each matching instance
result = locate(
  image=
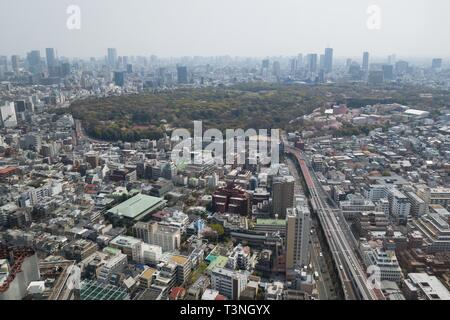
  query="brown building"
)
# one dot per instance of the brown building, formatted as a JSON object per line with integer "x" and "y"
{"x": 231, "y": 199}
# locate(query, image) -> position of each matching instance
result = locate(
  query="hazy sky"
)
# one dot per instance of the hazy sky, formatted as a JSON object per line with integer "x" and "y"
{"x": 219, "y": 27}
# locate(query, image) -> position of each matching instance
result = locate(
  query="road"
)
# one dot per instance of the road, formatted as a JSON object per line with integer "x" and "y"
{"x": 351, "y": 274}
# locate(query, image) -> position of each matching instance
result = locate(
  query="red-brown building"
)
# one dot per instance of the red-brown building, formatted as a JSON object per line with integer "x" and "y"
{"x": 231, "y": 199}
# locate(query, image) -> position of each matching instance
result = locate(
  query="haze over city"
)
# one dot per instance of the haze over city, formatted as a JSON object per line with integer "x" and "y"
{"x": 229, "y": 151}
{"x": 234, "y": 27}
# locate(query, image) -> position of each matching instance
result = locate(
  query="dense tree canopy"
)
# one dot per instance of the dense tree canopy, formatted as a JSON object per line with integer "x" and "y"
{"x": 256, "y": 105}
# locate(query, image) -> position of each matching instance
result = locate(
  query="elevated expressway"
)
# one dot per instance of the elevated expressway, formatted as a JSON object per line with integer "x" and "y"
{"x": 342, "y": 244}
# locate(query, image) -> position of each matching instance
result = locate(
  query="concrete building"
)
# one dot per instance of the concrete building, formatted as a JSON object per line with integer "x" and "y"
{"x": 167, "y": 237}
{"x": 400, "y": 206}
{"x": 298, "y": 226}
{"x": 229, "y": 283}
{"x": 421, "y": 286}
{"x": 355, "y": 204}
{"x": 418, "y": 205}
{"x": 435, "y": 232}
{"x": 386, "y": 260}
{"x": 282, "y": 195}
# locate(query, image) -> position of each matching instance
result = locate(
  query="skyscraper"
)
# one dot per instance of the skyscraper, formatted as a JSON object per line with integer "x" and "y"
{"x": 182, "y": 74}
{"x": 328, "y": 62}
{"x": 15, "y": 61}
{"x": 283, "y": 195}
{"x": 112, "y": 57}
{"x": 51, "y": 57}
{"x": 299, "y": 61}
{"x": 119, "y": 78}
{"x": 365, "y": 64}
{"x": 312, "y": 62}
{"x": 276, "y": 68}
{"x": 293, "y": 65}
{"x": 34, "y": 61}
{"x": 51, "y": 61}
{"x": 388, "y": 72}
{"x": 298, "y": 226}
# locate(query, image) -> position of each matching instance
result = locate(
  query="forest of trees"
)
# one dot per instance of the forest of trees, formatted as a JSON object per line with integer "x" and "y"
{"x": 254, "y": 105}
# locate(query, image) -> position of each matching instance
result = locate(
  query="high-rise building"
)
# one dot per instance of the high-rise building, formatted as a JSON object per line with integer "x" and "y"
{"x": 298, "y": 226}
{"x": 112, "y": 57}
{"x": 65, "y": 69}
{"x": 119, "y": 78}
{"x": 375, "y": 77}
{"x": 15, "y": 61}
{"x": 276, "y": 69}
{"x": 51, "y": 61}
{"x": 182, "y": 74}
{"x": 34, "y": 61}
{"x": 365, "y": 64}
{"x": 293, "y": 66}
{"x": 388, "y": 72}
{"x": 299, "y": 61}
{"x": 312, "y": 62}
{"x": 51, "y": 57}
{"x": 282, "y": 194}
{"x": 129, "y": 68}
{"x": 328, "y": 62}
{"x": 436, "y": 63}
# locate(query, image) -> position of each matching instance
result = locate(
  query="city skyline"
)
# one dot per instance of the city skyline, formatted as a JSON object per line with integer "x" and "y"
{"x": 263, "y": 28}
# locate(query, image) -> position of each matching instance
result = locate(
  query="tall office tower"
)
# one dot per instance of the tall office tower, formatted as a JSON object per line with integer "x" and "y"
{"x": 311, "y": 60}
{"x": 182, "y": 74}
{"x": 119, "y": 78}
{"x": 293, "y": 67}
{"x": 388, "y": 72}
{"x": 129, "y": 68}
{"x": 282, "y": 195}
{"x": 65, "y": 69}
{"x": 321, "y": 62}
{"x": 298, "y": 226}
{"x": 436, "y": 64}
{"x": 328, "y": 63}
{"x": 8, "y": 117}
{"x": 51, "y": 57}
{"x": 299, "y": 61}
{"x": 276, "y": 68}
{"x": 365, "y": 64}
{"x": 51, "y": 61}
{"x": 112, "y": 57}
{"x": 15, "y": 61}
{"x": 265, "y": 64}
{"x": 34, "y": 61}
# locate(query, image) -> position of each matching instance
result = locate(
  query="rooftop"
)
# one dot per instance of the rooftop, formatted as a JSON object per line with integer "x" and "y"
{"x": 138, "y": 205}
